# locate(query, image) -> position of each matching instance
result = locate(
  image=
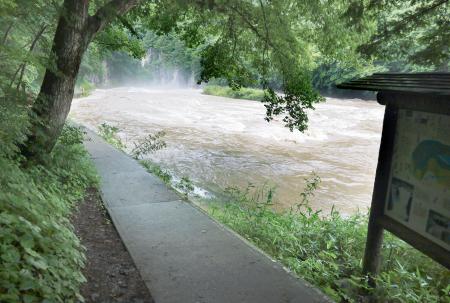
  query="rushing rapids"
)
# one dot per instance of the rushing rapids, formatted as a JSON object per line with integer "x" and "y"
{"x": 220, "y": 142}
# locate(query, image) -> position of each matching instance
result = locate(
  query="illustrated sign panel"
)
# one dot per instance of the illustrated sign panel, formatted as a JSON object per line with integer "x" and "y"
{"x": 418, "y": 194}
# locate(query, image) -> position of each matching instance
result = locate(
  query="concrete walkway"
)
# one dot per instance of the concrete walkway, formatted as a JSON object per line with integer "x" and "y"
{"x": 182, "y": 254}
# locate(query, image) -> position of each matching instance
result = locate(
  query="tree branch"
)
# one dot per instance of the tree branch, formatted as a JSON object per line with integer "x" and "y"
{"x": 33, "y": 44}
{"x": 109, "y": 12}
{"x": 22, "y": 66}
{"x": 408, "y": 21}
{"x": 253, "y": 28}
{"x": 8, "y": 29}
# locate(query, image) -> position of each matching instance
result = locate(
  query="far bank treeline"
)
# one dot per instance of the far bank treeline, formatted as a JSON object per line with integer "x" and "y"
{"x": 168, "y": 61}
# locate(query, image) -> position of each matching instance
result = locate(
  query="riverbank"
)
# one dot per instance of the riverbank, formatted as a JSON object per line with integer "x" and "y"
{"x": 258, "y": 94}
{"x": 182, "y": 254}
{"x": 242, "y": 93}
{"x": 324, "y": 249}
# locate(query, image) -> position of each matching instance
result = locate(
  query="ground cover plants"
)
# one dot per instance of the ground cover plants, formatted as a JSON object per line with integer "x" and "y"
{"x": 41, "y": 257}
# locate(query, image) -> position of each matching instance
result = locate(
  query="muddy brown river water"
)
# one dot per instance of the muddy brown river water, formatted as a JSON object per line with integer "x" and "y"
{"x": 220, "y": 142}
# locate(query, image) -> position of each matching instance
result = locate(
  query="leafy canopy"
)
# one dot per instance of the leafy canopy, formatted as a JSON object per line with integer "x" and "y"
{"x": 248, "y": 42}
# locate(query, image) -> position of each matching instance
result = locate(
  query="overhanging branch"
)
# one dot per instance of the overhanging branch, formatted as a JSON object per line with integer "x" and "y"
{"x": 109, "y": 12}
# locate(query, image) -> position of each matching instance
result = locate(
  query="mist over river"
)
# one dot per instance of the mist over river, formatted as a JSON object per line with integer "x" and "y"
{"x": 220, "y": 142}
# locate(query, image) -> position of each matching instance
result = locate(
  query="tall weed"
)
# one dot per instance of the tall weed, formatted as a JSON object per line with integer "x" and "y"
{"x": 110, "y": 134}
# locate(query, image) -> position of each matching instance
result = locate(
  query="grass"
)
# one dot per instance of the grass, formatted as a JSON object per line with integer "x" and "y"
{"x": 327, "y": 250}
{"x": 243, "y": 93}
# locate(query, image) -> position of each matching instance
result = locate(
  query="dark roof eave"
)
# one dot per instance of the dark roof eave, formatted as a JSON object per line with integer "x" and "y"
{"x": 418, "y": 83}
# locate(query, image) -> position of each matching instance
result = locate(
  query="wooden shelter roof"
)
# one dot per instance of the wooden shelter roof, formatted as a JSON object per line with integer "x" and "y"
{"x": 423, "y": 83}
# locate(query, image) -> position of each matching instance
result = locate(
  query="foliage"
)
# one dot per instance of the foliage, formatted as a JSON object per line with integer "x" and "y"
{"x": 153, "y": 168}
{"x": 327, "y": 250}
{"x": 40, "y": 255}
{"x": 86, "y": 88}
{"x": 142, "y": 147}
{"x": 117, "y": 37}
{"x": 13, "y": 123}
{"x": 166, "y": 60}
{"x": 168, "y": 54}
{"x": 110, "y": 134}
{"x": 241, "y": 93}
{"x": 148, "y": 144}
{"x": 145, "y": 146}
{"x": 246, "y": 43}
{"x": 26, "y": 30}
{"x": 185, "y": 185}
{"x": 93, "y": 68}
{"x": 275, "y": 45}
{"x": 410, "y": 35}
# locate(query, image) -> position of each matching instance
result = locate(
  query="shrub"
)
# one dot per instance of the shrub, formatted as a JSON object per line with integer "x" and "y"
{"x": 41, "y": 257}
{"x": 110, "y": 134}
{"x": 185, "y": 185}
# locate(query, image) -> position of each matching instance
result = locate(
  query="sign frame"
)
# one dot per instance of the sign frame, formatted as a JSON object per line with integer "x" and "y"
{"x": 378, "y": 220}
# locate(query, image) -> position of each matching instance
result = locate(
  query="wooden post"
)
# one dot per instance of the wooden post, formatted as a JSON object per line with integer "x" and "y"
{"x": 371, "y": 262}
{"x": 372, "y": 254}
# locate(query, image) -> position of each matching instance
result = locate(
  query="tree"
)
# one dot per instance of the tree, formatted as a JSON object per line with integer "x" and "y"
{"x": 238, "y": 36}
{"x": 244, "y": 41}
{"x": 75, "y": 30}
{"x": 412, "y": 33}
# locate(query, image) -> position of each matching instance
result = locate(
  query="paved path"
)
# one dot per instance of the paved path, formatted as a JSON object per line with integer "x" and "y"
{"x": 182, "y": 254}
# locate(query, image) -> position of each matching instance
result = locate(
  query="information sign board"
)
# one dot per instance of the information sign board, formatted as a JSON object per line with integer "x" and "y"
{"x": 418, "y": 194}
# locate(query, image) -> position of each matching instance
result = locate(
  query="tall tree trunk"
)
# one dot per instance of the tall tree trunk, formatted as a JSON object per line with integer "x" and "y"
{"x": 53, "y": 102}
{"x": 74, "y": 32}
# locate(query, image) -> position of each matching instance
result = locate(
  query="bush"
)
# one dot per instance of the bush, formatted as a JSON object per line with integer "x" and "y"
{"x": 110, "y": 134}
{"x": 41, "y": 257}
{"x": 242, "y": 93}
{"x": 327, "y": 250}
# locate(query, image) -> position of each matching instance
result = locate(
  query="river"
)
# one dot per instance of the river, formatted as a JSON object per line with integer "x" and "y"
{"x": 220, "y": 142}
